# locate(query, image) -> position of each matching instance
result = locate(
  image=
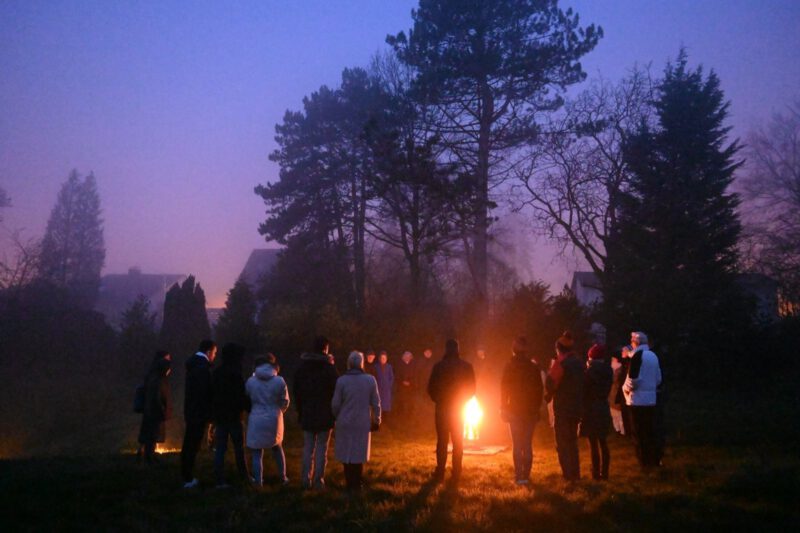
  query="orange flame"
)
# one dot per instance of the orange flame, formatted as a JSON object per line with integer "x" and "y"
{"x": 473, "y": 414}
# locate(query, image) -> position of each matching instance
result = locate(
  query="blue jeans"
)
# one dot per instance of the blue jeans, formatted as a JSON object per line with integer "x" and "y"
{"x": 280, "y": 463}
{"x": 315, "y": 457}
{"x": 522, "y": 443}
{"x": 221, "y": 434}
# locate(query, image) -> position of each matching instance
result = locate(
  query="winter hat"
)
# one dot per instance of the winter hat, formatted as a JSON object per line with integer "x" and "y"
{"x": 565, "y": 342}
{"x": 597, "y": 351}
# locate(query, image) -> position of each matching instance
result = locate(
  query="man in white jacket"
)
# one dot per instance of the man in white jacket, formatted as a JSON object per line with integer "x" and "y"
{"x": 644, "y": 377}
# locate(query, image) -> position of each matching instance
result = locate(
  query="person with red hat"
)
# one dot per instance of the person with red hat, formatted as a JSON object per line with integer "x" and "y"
{"x": 596, "y": 417}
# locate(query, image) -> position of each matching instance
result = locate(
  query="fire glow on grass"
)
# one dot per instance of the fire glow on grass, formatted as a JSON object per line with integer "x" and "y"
{"x": 473, "y": 414}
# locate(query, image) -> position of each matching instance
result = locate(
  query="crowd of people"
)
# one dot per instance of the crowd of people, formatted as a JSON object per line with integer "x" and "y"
{"x": 585, "y": 399}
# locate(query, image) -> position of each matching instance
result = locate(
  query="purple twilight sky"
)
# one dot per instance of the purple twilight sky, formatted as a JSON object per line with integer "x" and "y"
{"x": 173, "y": 104}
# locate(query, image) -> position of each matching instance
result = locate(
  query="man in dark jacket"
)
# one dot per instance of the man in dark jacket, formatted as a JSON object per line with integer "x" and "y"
{"x": 228, "y": 403}
{"x": 196, "y": 407}
{"x": 314, "y": 385}
{"x": 564, "y": 385}
{"x": 520, "y": 402}
{"x": 451, "y": 385}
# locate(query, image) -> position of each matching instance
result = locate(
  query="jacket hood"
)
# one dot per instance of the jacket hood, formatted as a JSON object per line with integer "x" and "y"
{"x": 310, "y": 356}
{"x": 265, "y": 372}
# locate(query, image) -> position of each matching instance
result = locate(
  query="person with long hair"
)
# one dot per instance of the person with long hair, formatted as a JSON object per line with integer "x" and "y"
{"x": 157, "y": 405}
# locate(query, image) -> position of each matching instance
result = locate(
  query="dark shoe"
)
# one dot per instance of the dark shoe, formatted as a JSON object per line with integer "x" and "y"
{"x": 437, "y": 476}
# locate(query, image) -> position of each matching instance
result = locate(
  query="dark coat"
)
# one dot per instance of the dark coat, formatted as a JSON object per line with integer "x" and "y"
{"x": 406, "y": 372}
{"x": 384, "y": 375}
{"x": 229, "y": 399}
{"x": 424, "y": 369}
{"x": 452, "y": 383}
{"x": 197, "y": 395}
{"x": 314, "y": 384}
{"x": 564, "y": 385}
{"x": 521, "y": 390}
{"x": 596, "y": 385}
{"x": 157, "y": 408}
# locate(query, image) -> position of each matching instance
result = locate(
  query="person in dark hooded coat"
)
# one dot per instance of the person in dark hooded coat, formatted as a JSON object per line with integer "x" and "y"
{"x": 596, "y": 419}
{"x": 157, "y": 405}
{"x": 228, "y": 403}
{"x": 451, "y": 385}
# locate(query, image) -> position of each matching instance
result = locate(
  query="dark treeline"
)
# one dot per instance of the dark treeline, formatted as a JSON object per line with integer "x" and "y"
{"x": 394, "y": 188}
{"x": 395, "y": 207}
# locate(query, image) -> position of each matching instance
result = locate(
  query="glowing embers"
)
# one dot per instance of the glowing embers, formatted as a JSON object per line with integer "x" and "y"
{"x": 160, "y": 449}
{"x": 473, "y": 414}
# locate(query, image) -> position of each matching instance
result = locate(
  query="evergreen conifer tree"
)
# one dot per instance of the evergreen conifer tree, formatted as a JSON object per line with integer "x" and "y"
{"x": 672, "y": 255}
{"x": 73, "y": 249}
{"x": 185, "y": 320}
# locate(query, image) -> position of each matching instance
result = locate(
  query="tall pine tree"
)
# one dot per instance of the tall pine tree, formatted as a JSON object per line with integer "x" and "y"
{"x": 672, "y": 256}
{"x": 73, "y": 249}
{"x": 185, "y": 320}
{"x": 491, "y": 67}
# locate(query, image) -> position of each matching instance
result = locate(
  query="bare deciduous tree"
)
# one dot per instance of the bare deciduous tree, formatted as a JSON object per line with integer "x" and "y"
{"x": 22, "y": 265}
{"x": 573, "y": 175}
{"x": 772, "y": 211}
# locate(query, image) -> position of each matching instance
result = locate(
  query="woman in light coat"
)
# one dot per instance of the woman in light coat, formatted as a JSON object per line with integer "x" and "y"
{"x": 356, "y": 405}
{"x": 269, "y": 399}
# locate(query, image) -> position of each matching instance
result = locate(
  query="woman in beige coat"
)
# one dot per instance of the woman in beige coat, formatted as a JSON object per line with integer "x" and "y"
{"x": 356, "y": 405}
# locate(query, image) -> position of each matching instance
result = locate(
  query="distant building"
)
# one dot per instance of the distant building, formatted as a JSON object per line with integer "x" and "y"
{"x": 258, "y": 265}
{"x": 586, "y": 288}
{"x": 763, "y": 289}
{"x": 118, "y": 292}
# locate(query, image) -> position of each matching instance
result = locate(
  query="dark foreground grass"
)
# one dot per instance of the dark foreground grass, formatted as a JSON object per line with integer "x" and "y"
{"x": 706, "y": 484}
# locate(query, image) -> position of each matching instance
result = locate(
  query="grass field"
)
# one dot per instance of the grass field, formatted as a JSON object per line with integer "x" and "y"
{"x": 725, "y": 469}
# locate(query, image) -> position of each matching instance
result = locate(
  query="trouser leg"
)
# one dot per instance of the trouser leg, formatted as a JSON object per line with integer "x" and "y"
{"x": 442, "y": 437}
{"x": 258, "y": 457}
{"x": 321, "y": 456}
{"x": 457, "y": 436}
{"x": 192, "y": 438}
{"x": 280, "y": 462}
{"x": 566, "y": 428}
{"x": 221, "y": 432}
{"x": 149, "y": 451}
{"x": 237, "y": 441}
{"x": 606, "y": 455}
{"x": 309, "y": 439}
{"x": 594, "y": 448}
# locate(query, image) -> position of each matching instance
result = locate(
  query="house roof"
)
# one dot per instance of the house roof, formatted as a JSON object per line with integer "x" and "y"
{"x": 259, "y": 263}
{"x": 585, "y": 279}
